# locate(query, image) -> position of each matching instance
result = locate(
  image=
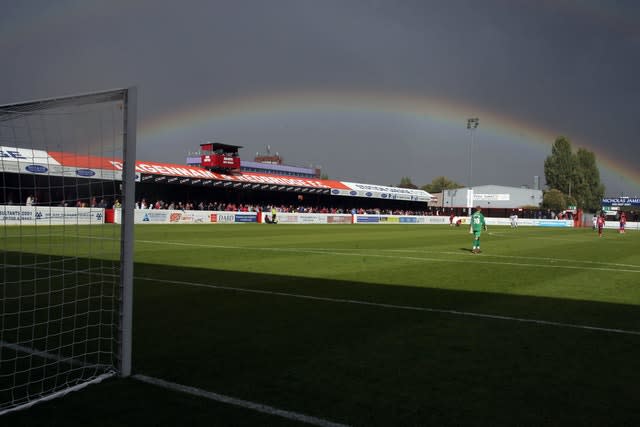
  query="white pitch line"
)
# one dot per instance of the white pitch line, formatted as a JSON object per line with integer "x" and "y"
{"x": 59, "y": 393}
{"x": 613, "y": 264}
{"x": 161, "y": 383}
{"x": 396, "y": 306}
{"x": 296, "y": 416}
{"x": 419, "y": 251}
{"x": 336, "y": 251}
{"x": 465, "y": 260}
{"x": 63, "y": 392}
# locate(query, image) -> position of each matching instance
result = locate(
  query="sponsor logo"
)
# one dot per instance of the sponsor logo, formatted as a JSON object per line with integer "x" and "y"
{"x": 308, "y": 219}
{"x": 338, "y": 219}
{"x": 408, "y": 219}
{"x": 175, "y": 217}
{"x": 334, "y": 191}
{"x": 11, "y": 154}
{"x": 621, "y": 201}
{"x": 154, "y": 216}
{"x": 368, "y": 218}
{"x": 225, "y": 217}
{"x": 368, "y": 194}
{"x": 353, "y": 193}
{"x": 85, "y": 172}
{"x": 246, "y": 218}
{"x": 36, "y": 169}
{"x": 389, "y": 219}
{"x": 282, "y": 218}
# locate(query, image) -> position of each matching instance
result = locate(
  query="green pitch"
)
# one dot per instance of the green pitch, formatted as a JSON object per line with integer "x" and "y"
{"x": 375, "y": 325}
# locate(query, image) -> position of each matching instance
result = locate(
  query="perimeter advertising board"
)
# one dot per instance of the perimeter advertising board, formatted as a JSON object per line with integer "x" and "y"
{"x": 49, "y": 215}
{"x": 308, "y": 218}
{"x": 161, "y": 216}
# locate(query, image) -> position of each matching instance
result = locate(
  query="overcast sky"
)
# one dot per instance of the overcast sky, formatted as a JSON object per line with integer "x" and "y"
{"x": 371, "y": 91}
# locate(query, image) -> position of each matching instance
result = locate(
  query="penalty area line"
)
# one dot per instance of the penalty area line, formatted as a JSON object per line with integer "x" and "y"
{"x": 399, "y": 307}
{"x": 266, "y": 409}
{"x": 350, "y": 253}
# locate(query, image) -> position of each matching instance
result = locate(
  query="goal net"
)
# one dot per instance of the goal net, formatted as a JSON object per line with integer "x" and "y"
{"x": 66, "y": 271}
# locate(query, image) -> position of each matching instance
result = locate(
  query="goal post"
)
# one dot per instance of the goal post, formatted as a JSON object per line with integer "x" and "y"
{"x": 126, "y": 253}
{"x": 66, "y": 285}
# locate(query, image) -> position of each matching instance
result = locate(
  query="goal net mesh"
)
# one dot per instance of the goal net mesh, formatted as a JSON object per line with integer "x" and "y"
{"x": 60, "y": 279}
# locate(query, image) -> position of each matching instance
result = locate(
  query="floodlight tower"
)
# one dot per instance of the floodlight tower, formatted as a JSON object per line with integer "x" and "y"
{"x": 472, "y": 125}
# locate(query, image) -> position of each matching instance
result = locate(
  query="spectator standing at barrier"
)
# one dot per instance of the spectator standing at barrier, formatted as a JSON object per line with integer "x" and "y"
{"x": 273, "y": 214}
{"x": 476, "y": 227}
{"x": 595, "y": 222}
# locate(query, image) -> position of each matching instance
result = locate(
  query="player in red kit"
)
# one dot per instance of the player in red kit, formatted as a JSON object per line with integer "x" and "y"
{"x": 600, "y": 224}
{"x": 623, "y": 222}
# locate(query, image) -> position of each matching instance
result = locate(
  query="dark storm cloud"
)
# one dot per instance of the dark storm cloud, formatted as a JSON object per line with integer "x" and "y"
{"x": 568, "y": 67}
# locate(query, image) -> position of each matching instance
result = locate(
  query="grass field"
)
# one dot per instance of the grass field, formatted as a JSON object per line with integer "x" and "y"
{"x": 375, "y": 325}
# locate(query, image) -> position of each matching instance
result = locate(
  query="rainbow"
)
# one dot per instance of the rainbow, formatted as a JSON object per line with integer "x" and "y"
{"x": 444, "y": 111}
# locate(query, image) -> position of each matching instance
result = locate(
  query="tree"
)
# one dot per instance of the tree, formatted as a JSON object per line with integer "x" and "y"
{"x": 440, "y": 183}
{"x": 405, "y": 182}
{"x": 554, "y": 200}
{"x": 574, "y": 175}
{"x": 560, "y": 166}
{"x": 589, "y": 189}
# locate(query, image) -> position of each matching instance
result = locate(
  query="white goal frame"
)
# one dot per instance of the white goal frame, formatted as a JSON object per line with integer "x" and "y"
{"x": 122, "y": 335}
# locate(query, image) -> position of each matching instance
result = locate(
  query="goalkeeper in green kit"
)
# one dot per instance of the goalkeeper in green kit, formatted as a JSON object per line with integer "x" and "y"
{"x": 476, "y": 228}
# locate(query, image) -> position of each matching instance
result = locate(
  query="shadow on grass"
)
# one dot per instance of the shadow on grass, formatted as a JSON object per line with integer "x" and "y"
{"x": 597, "y": 314}
{"x": 328, "y": 356}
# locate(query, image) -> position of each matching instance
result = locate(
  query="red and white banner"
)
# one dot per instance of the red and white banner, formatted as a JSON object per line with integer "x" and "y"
{"x": 355, "y": 189}
{"x": 25, "y": 161}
